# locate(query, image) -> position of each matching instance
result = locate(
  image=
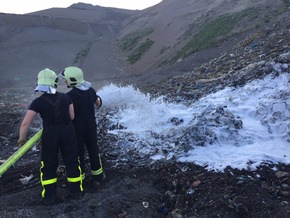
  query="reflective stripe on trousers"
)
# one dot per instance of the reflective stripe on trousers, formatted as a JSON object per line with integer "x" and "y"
{"x": 77, "y": 179}
{"x": 99, "y": 171}
{"x": 45, "y": 182}
{"x": 53, "y": 181}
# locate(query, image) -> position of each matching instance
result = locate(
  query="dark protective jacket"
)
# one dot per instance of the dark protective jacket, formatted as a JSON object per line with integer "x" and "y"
{"x": 58, "y": 135}
{"x": 86, "y": 127}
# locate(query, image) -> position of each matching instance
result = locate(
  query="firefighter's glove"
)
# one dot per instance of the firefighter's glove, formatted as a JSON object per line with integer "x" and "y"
{"x": 21, "y": 142}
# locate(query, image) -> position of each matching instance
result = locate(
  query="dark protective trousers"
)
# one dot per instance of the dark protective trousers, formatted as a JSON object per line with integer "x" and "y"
{"x": 87, "y": 137}
{"x": 54, "y": 139}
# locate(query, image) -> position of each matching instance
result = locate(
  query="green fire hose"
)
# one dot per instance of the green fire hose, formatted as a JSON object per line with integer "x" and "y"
{"x": 20, "y": 152}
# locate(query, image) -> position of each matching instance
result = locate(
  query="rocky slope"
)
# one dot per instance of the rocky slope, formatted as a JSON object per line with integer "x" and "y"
{"x": 180, "y": 29}
{"x": 251, "y": 58}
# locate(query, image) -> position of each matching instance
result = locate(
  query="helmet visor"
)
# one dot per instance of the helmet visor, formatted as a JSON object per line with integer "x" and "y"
{"x": 61, "y": 75}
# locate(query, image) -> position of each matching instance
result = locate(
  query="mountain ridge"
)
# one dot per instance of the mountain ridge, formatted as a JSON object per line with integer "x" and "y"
{"x": 93, "y": 37}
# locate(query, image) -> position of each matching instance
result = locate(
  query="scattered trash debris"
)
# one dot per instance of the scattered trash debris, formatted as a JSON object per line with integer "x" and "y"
{"x": 145, "y": 204}
{"x": 26, "y": 179}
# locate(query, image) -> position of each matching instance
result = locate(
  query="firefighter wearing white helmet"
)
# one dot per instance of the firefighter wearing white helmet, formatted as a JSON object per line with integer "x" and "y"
{"x": 56, "y": 111}
{"x": 85, "y": 99}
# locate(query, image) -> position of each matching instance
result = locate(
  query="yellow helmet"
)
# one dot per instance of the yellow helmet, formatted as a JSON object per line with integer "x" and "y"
{"x": 47, "y": 77}
{"x": 73, "y": 76}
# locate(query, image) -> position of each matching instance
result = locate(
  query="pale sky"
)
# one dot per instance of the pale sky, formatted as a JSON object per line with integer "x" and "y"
{"x": 28, "y": 6}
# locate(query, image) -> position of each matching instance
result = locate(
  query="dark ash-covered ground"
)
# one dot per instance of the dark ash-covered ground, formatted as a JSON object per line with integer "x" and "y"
{"x": 136, "y": 190}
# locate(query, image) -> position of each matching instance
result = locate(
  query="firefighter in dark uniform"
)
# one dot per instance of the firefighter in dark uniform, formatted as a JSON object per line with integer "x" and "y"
{"x": 56, "y": 110}
{"x": 85, "y": 99}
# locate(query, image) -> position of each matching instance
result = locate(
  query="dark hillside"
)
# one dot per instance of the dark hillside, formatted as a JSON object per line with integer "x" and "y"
{"x": 113, "y": 45}
{"x": 189, "y": 33}
{"x": 250, "y": 58}
{"x": 54, "y": 39}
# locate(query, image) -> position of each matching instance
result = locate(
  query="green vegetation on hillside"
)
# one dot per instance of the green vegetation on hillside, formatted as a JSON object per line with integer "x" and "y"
{"x": 129, "y": 41}
{"x": 287, "y": 3}
{"x": 139, "y": 51}
{"x": 164, "y": 49}
{"x": 81, "y": 55}
{"x": 212, "y": 32}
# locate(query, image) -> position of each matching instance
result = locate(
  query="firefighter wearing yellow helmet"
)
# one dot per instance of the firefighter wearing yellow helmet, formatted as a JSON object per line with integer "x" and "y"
{"x": 47, "y": 81}
{"x": 56, "y": 111}
{"x": 74, "y": 76}
{"x": 85, "y": 99}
